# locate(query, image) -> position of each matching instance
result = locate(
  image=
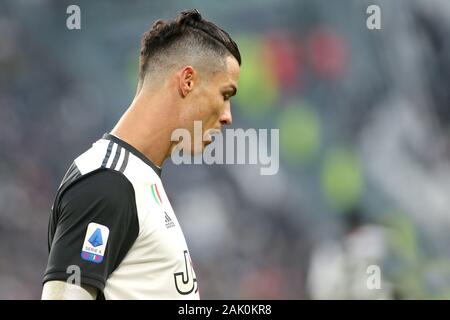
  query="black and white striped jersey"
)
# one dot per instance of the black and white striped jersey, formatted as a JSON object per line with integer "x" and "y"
{"x": 111, "y": 218}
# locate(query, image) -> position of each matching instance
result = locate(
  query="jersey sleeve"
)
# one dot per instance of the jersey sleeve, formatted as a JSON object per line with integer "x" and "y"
{"x": 96, "y": 225}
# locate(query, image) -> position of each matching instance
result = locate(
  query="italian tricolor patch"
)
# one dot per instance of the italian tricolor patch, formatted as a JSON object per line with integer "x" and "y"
{"x": 155, "y": 194}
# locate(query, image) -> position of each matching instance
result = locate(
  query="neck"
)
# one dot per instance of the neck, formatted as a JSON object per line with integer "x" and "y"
{"x": 146, "y": 126}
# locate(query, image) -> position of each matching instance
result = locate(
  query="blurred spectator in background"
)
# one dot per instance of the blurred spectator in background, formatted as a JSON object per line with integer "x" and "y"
{"x": 343, "y": 269}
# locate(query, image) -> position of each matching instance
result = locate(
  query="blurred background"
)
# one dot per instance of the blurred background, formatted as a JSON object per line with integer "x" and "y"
{"x": 363, "y": 115}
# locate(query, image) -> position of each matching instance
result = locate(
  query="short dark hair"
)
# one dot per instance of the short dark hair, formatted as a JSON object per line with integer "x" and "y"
{"x": 186, "y": 32}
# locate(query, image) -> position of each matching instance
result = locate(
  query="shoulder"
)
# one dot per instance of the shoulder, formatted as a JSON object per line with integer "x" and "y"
{"x": 99, "y": 186}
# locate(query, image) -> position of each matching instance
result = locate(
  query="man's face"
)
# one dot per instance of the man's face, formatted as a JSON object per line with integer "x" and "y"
{"x": 210, "y": 103}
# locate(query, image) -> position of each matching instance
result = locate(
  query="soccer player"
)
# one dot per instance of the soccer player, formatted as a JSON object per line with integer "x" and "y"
{"x": 112, "y": 226}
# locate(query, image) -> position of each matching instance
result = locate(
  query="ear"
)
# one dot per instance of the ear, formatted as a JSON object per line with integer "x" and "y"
{"x": 187, "y": 80}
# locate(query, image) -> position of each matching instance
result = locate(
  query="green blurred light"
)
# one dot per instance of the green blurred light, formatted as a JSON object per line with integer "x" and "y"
{"x": 403, "y": 239}
{"x": 132, "y": 71}
{"x": 258, "y": 87}
{"x": 342, "y": 179}
{"x": 300, "y": 133}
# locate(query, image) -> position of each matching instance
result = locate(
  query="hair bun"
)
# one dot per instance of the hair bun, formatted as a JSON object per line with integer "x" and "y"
{"x": 190, "y": 17}
{"x": 157, "y": 24}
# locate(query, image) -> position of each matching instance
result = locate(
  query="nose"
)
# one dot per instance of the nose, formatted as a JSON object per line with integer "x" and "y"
{"x": 226, "y": 118}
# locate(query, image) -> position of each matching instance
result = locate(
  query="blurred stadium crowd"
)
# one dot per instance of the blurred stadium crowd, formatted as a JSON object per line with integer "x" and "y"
{"x": 364, "y": 145}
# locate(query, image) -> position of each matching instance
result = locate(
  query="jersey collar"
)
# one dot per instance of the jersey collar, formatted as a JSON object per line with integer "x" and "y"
{"x": 134, "y": 151}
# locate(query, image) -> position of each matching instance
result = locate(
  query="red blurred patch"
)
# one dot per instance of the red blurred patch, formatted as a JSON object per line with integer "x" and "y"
{"x": 327, "y": 53}
{"x": 283, "y": 51}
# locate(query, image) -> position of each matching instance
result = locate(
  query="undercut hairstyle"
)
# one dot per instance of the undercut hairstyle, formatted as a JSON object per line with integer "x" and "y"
{"x": 188, "y": 39}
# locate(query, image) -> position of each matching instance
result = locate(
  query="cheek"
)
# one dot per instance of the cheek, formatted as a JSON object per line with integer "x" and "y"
{"x": 212, "y": 106}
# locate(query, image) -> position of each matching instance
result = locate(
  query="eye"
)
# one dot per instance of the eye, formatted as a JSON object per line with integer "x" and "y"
{"x": 226, "y": 96}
